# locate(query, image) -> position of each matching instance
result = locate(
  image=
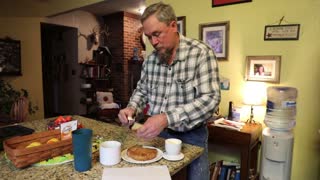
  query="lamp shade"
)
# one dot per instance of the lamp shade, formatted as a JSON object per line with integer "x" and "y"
{"x": 254, "y": 94}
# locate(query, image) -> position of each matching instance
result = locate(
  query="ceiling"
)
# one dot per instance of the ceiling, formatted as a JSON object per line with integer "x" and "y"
{"x": 50, "y": 8}
{"x": 112, "y": 6}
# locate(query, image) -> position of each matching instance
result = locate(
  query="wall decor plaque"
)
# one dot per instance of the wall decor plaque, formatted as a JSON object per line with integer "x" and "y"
{"x": 282, "y": 32}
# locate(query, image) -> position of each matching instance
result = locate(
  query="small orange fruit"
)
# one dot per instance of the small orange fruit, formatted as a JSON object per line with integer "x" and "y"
{"x": 52, "y": 140}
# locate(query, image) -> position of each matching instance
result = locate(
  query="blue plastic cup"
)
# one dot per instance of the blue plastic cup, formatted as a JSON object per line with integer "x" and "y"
{"x": 82, "y": 149}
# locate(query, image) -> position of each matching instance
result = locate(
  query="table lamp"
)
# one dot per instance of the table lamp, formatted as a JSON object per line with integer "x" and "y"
{"x": 254, "y": 95}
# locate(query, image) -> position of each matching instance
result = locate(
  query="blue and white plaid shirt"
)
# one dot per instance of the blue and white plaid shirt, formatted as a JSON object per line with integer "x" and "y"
{"x": 187, "y": 91}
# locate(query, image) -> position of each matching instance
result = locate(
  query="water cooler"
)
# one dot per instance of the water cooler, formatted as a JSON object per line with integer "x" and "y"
{"x": 277, "y": 137}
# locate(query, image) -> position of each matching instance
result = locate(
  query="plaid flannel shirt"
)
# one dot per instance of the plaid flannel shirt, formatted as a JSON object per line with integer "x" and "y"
{"x": 187, "y": 91}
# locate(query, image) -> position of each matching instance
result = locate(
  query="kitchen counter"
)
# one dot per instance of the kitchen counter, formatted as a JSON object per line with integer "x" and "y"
{"x": 108, "y": 132}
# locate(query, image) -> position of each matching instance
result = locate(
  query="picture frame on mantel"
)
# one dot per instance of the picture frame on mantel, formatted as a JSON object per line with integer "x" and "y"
{"x": 181, "y": 23}
{"x": 216, "y": 35}
{"x": 263, "y": 68}
{"x": 217, "y": 3}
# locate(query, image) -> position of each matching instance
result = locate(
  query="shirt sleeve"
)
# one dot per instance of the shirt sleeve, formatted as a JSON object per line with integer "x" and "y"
{"x": 138, "y": 98}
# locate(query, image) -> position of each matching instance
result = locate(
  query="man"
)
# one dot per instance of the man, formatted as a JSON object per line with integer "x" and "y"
{"x": 179, "y": 82}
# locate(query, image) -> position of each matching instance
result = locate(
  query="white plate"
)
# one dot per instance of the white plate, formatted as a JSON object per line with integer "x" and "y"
{"x": 128, "y": 159}
{"x": 173, "y": 157}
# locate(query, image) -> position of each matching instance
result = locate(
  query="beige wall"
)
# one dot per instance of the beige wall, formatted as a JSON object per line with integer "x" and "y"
{"x": 27, "y": 30}
{"x": 85, "y": 22}
{"x": 300, "y": 61}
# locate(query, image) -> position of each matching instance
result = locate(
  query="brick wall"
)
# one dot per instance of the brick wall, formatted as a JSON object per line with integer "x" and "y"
{"x": 124, "y": 37}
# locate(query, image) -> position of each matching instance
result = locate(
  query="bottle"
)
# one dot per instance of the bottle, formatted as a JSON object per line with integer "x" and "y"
{"x": 230, "y": 113}
{"x": 282, "y": 98}
{"x": 281, "y": 107}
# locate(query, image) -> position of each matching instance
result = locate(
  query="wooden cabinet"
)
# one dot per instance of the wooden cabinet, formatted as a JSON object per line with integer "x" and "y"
{"x": 245, "y": 141}
{"x": 96, "y": 77}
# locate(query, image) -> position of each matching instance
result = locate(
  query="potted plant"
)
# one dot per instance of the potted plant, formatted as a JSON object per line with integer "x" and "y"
{"x": 14, "y": 104}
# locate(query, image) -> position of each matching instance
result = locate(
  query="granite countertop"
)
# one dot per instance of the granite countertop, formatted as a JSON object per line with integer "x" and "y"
{"x": 108, "y": 132}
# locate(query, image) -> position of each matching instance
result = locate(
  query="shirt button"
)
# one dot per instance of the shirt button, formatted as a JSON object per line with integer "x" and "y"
{"x": 161, "y": 112}
{"x": 169, "y": 69}
{"x": 165, "y": 97}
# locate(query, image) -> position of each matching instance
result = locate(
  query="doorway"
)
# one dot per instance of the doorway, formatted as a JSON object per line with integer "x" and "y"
{"x": 60, "y": 70}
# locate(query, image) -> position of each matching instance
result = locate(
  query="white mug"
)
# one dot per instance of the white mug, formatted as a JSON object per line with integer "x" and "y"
{"x": 110, "y": 153}
{"x": 173, "y": 146}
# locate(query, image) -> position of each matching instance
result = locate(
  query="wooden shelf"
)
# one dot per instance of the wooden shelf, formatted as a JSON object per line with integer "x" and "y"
{"x": 98, "y": 75}
{"x": 91, "y": 64}
{"x": 246, "y": 141}
{"x": 87, "y": 90}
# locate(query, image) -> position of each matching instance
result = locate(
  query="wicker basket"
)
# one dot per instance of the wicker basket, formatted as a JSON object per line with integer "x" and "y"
{"x": 21, "y": 156}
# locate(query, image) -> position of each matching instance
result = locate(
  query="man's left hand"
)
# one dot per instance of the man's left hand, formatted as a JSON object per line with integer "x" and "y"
{"x": 153, "y": 126}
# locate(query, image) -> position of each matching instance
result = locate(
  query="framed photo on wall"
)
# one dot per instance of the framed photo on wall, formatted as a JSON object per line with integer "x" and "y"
{"x": 263, "y": 68}
{"x": 217, "y": 3}
{"x": 181, "y": 22}
{"x": 10, "y": 57}
{"x": 216, "y": 35}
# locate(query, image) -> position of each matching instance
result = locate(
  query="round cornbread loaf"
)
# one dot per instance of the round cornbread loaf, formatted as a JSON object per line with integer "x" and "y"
{"x": 140, "y": 153}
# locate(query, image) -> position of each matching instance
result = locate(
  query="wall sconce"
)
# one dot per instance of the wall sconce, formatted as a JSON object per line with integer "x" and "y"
{"x": 254, "y": 94}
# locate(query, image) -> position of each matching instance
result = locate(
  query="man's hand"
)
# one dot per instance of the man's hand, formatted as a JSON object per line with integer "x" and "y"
{"x": 153, "y": 126}
{"x": 126, "y": 116}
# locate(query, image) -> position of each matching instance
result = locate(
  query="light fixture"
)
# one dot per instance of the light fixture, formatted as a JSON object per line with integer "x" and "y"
{"x": 254, "y": 94}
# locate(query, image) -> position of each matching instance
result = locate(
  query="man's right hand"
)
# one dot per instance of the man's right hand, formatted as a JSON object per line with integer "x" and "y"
{"x": 125, "y": 114}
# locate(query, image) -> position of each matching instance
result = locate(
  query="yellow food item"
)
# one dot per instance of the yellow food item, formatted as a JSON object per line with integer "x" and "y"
{"x": 52, "y": 140}
{"x": 33, "y": 144}
{"x": 95, "y": 147}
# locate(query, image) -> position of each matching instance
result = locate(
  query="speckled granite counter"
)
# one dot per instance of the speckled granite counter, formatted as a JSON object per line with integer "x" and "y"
{"x": 108, "y": 132}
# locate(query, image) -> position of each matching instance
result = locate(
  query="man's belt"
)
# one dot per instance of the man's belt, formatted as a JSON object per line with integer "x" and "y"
{"x": 198, "y": 126}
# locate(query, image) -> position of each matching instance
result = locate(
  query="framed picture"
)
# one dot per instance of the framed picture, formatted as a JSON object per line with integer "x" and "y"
{"x": 10, "y": 57}
{"x": 216, "y": 35}
{"x": 263, "y": 68}
{"x": 217, "y": 3}
{"x": 282, "y": 32}
{"x": 181, "y": 22}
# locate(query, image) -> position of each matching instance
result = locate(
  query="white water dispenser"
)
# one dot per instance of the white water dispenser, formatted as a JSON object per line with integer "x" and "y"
{"x": 277, "y": 138}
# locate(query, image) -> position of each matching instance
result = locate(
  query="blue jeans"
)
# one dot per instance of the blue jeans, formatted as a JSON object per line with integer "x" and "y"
{"x": 199, "y": 168}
